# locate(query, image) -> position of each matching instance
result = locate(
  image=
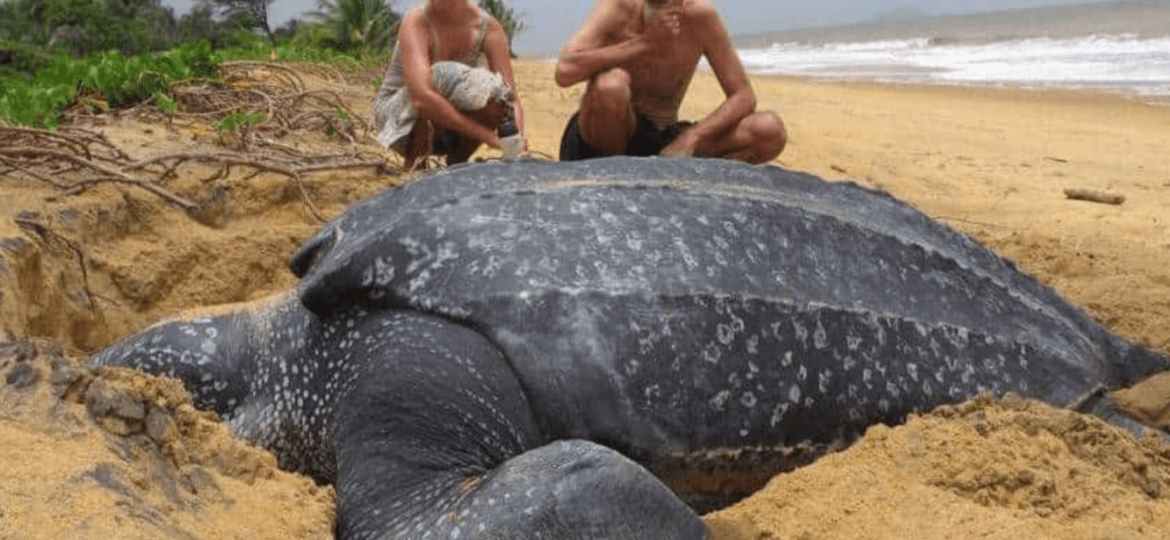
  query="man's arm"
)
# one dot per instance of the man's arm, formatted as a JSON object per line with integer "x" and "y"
{"x": 416, "y": 69}
{"x": 602, "y": 43}
{"x": 741, "y": 99}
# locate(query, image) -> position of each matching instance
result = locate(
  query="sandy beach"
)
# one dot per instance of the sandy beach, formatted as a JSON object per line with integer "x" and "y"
{"x": 993, "y": 163}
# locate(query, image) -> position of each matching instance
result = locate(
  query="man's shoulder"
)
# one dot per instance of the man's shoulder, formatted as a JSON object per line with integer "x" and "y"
{"x": 414, "y": 16}
{"x": 623, "y": 8}
{"x": 493, "y": 24}
{"x": 700, "y": 10}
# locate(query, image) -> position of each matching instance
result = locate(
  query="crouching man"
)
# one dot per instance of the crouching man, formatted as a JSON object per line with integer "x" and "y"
{"x": 638, "y": 58}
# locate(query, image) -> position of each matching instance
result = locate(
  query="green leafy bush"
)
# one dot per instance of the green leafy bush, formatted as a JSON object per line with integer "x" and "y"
{"x": 507, "y": 17}
{"x": 19, "y": 60}
{"x": 239, "y": 120}
{"x": 120, "y": 81}
{"x": 359, "y": 27}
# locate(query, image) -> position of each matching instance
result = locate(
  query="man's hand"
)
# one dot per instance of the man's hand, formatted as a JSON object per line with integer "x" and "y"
{"x": 683, "y": 146}
{"x": 663, "y": 25}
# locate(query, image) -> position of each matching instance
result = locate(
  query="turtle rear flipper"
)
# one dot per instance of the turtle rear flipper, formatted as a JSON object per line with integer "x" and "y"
{"x": 1102, "y": 405}
{"x": 1132, "y": 363}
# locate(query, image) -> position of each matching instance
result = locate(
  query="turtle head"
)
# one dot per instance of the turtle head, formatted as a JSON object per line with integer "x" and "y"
{"x": 313, "y": 250}
{"x": 335, "y": 269}
{"x": 350, "y": 261}
{"x": 210, "y": 355}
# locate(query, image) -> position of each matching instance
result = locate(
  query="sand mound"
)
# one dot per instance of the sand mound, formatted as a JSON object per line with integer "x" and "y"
{"x": 982, "y": 469}
{"x": 112, "y": 453}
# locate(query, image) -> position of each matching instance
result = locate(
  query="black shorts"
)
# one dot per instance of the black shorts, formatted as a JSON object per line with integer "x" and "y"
{"x": 647, "y": 140}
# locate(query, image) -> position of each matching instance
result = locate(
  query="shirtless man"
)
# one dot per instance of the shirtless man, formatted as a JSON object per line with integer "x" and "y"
{"x": 639, "y": 57}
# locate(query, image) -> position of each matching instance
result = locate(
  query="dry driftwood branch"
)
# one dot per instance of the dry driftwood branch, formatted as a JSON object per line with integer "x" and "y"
{"x": 76, "y": 140}
{"x": 37, "y": 137}
{"x": 287, "y": 151}
{"x": 28, "y": 160}
{"x": 334, "y": 74}
{"x": 45, "y": 233}
{"x": 100, "y": 173}
{"x": 293, "y": 170}
{"x": 217, "y": 158}
{"x": 291, "y": 76}
{"x": 107, "y": 174}
{"x": 32, "y": 173}
{"x": 1092, "y": 195}
{"x": 380, "y": 164}
{"x": 92, "y": 138}
{"x": 283, "y": 111}
{"x": 76, "y": 160}
{"x": 321, "y": 96}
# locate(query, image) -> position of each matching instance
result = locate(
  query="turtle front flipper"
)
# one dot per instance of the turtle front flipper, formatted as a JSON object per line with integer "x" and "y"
{"x": 435, "y": 439}
{"x": 215, "y": 351}
{"x": 205, "y": 353}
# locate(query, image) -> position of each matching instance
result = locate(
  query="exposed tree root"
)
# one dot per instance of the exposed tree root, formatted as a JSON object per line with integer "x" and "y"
{"x": 49, "y": 237}
{"x": 62, "y": 160}
{"x": 279, "y": 94}
{"x": 73, "y": 160}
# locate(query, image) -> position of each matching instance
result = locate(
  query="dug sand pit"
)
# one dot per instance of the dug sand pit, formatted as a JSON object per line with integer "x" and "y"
{"x": 131, "y": 458}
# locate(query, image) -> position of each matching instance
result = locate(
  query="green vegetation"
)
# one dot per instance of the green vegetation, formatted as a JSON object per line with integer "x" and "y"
{"x": 236, "y": 128}
{"x": 116, "y": 80}
{"x": 21, "y": 61}
{"x": 253, "y": 13}
{"x": 114, "y": 53}
{"x": 238, "y": 120}
{"x": 82, "y": 27}
{"x": 360, "y": 27}
{"x": 507, "y": 17}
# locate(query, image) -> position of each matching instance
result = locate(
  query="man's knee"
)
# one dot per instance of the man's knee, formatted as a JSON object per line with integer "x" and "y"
{"x": 607, "y": 117}
{"x": 610, "y": 89}
{"x": 769, "y": 134}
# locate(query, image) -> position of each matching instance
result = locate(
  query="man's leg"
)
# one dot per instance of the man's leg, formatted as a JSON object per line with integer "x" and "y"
{"x": 607, "y": 115}
{"x": 759, "y": 138}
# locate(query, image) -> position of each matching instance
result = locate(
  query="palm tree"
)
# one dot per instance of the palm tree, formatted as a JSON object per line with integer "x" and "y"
{"x": 368, "y": 26}
{"x": 255, "y": 12}
{"x": 507, "y": 17}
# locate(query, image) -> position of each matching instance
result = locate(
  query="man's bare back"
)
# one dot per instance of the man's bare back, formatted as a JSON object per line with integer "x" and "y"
{"x": 639, "y": 57}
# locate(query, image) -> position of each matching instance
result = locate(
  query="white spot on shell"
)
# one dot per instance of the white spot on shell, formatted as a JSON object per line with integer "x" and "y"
{"x": 719, "y": 402}
{"x": 778, "y": 413}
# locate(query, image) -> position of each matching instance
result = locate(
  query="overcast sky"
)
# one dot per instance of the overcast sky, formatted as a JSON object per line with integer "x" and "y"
{"x": 551, "y": 22}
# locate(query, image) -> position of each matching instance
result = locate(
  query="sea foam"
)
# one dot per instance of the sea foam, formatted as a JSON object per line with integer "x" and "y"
{"x": 1123, "y": 62}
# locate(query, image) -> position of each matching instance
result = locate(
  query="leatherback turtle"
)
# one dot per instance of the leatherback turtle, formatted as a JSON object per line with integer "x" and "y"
{"x": 544, "y": 350}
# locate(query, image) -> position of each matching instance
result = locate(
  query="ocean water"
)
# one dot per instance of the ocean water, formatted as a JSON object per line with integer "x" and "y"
{"x": 1122, "y": 47}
